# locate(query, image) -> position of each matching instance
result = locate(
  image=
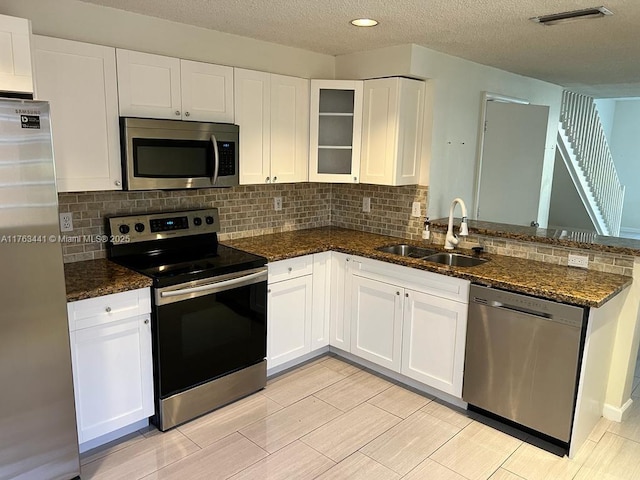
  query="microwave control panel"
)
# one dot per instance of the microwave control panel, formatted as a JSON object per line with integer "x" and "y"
{"x": 227, "y": 159}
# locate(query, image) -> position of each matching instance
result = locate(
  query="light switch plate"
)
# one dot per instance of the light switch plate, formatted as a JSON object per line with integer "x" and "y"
{"x": 415, "y": 209}
{"x": 277, "y": 203}
{"x": 366, "y": 204}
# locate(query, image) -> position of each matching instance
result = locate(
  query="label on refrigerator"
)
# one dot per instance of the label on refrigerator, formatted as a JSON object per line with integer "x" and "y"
{"x": 30, "y": 121}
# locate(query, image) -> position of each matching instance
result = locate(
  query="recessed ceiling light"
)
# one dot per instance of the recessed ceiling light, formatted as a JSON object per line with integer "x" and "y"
{"x": 364, "y": 22}
{"x": 554, "y": 18}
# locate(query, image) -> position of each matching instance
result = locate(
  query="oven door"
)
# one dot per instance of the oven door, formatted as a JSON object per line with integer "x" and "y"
{"x": 209, "y": 328}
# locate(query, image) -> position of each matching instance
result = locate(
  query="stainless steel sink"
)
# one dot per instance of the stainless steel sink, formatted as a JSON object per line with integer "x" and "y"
{"x": 405, "y": 250}
{"x": 455, "y": 259}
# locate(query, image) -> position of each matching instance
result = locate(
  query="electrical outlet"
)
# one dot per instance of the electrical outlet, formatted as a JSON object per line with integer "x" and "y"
{"x": 66, "y": 222}
{"x": 578, "y": 261}
{"x": 277, "y": 203}
{"x": 366, "y": 204}
{"x": 415, "y": 209}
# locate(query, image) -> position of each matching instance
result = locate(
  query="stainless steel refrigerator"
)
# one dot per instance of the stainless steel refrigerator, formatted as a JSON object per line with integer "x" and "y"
{"x": 38, "y": 438}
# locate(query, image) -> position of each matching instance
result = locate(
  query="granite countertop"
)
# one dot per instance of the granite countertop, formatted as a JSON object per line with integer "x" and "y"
{"x": 94, "y": 278}
{"x": 567, "y": 238}
{"x": 564, "y": 284}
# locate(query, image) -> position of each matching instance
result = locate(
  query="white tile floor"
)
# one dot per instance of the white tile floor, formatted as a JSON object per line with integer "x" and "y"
{"x": 332, "y": 420}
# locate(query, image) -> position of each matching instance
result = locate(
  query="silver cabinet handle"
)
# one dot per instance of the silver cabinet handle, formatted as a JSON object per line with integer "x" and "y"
{"x": 290, "y": 269}
{"x": 355, "y": 179}
{"x": 275, "y": 179}
{"x": 397, "y": 293}
{"x": 187, "y": 114}
{"x": 117, "y": 183}
{"x": 266, "y": 180}
{"x": 108, "y": 309}
{"x": 146, "y": 321}
{"x": 178, "y": 113}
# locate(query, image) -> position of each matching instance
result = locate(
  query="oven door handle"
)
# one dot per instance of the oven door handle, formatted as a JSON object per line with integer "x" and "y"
{"x": 217, "y": 286}
{"x": 216, "y": 160}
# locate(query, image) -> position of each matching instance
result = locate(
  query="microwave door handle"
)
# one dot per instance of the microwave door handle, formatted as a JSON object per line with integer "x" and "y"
{"x": 216, "y": 160}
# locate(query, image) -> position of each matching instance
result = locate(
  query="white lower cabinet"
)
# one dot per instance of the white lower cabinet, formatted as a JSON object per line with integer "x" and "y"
{"x": 299, "y": 308}
{"x": 376, "y": 321}
{"x": 340, "y": 323}
{"x": 433, "y": 341}
{"x": 111, "y": 362}
{"x": 408, "y": 321}
{"x": 289, "y": 320}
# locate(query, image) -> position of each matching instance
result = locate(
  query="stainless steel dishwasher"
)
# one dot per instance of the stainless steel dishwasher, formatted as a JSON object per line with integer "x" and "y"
{"x": 523, "y": 359}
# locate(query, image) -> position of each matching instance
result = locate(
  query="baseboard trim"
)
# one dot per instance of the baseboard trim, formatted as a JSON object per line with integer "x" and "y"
{"x": 617, "y": 414}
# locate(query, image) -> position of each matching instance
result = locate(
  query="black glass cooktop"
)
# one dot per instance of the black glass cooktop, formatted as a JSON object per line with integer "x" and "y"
{"x": 171, "y": 267}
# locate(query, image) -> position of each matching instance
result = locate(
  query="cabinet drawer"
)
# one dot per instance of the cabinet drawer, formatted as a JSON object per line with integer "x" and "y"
{"x": 291, "y": 268}
{"x": 430, "y": 283}
{"x": 108, "y": 308}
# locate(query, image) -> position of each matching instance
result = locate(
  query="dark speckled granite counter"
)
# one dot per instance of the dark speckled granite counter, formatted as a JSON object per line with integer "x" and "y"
{"x": 567, "y": 238}
{"x": 94, "y": 278}
{"x": 556, "y": 282}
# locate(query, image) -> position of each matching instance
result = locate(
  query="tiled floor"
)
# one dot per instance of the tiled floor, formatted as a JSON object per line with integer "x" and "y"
{"x": 332, "y": 420}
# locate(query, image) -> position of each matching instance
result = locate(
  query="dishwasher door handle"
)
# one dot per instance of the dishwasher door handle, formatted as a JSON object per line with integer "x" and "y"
{"x": 514, "y": 308}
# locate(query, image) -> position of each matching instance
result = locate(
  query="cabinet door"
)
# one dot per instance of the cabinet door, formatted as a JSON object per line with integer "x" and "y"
{"x": 289, "y": 320}
{"x": 289, "y": 129}
{"x": 335, "y": 131}
{"x": 340, "y": 325}
{"x": 207, "y": 92}
{"x": 112, "y": 376}
{"x": 79, "y": 81}
{"x": 376, "y": 321}
{"x": 148, "y": 85}
{"x": 392, "y": 131}
{"x": 321, "y": 304}
{"x": 15, "y": 55}
{"x": 434, "y": 341}
{"x": 253, "y": 115}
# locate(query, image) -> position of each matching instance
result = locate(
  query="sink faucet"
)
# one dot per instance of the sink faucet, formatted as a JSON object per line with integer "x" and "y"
{"x": 451, "y": 240}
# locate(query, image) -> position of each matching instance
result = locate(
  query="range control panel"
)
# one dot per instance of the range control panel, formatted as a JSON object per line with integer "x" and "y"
{"x": 140, "y": 228}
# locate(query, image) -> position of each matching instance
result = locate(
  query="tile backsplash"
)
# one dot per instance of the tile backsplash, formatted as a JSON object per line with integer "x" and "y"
{"x": 247, "y": 210}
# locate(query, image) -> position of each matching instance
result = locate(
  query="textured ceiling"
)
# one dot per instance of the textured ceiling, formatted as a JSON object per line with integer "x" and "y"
{"x": 600, "y": 56}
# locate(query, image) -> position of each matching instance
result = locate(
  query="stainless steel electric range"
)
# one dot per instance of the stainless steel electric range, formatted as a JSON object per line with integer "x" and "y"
{"x": 209, "y": 321}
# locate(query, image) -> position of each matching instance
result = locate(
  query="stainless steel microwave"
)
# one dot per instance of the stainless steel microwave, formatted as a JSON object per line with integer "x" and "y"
{"x": 173, "y": 154}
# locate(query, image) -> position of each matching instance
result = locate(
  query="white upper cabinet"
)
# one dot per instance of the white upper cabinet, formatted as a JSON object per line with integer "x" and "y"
{"x": 79, "y": 81}
{"x": 335, "y": 131}
{"x": 15, "y": 55}
{"x": 392, "y": 128}
{"x": 207, "y": 92}
{"x": 289, "y": 129}
{"x": 273, "y": 114}
{"x": 156, "y": 86}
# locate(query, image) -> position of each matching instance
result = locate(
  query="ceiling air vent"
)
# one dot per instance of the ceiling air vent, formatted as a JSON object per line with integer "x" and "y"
{"x": 554, "y": 18}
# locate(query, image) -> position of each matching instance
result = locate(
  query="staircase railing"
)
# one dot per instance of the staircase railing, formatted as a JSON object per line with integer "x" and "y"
{"x": 581, "y": 124}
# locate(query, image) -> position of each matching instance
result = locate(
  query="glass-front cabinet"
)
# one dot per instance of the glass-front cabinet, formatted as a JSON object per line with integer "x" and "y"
{"x": 336, "y": 130}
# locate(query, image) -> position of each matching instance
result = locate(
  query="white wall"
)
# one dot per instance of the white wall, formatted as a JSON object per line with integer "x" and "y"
{"x": 625, "y": 148}
{"x": 457, "y": 86}
{"x": 606, "y": 108}
{"x": 75, "y": 20}
{"x": 567, "y": 209}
